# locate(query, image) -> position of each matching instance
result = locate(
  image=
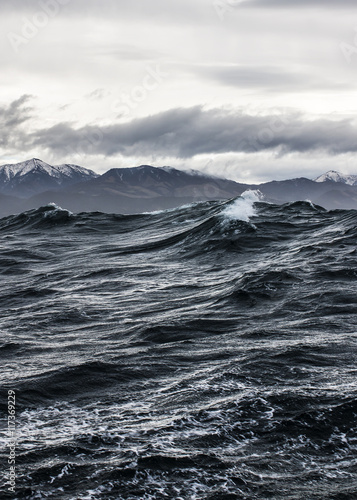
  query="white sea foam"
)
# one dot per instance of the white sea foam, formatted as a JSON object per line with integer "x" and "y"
{"x": 243, "y": 207}
{"x": 56, "y": 211}
{"x": 174, "y": 209}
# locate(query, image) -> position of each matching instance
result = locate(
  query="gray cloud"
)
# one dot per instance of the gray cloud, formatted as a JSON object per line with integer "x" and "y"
{"x": 185, "y": 133}
{"x": 12, "y": 117}
{"x": 271, "y": 78}
{"x": 87, "y": 58}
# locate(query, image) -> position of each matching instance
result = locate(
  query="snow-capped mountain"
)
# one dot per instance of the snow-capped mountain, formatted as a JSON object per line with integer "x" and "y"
{"x": 334, "y": 176}
{"x": 34, "y": 183}
{"x": 35, "y": 176}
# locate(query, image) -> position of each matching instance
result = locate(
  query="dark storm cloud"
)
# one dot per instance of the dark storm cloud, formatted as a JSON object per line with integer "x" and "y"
{"x": 185, "y": 133}
{"x": 12, "y": 117}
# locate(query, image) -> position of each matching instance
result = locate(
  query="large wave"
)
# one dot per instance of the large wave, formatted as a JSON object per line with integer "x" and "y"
{"x": 202, "y": 352}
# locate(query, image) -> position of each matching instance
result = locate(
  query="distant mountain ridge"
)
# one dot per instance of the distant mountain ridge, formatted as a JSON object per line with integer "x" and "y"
{"x": 145, "y": 188}
{"x": 35, "y": 176}
{"x": 140, "y": 189}
{"x": 147, "y": 181}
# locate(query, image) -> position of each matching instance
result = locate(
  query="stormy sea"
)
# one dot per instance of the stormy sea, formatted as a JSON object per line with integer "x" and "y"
{"x": 204, "y": 352}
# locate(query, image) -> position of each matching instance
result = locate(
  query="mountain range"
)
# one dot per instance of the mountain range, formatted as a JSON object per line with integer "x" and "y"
{"x": 35, "y": 176}
{"x": 34, "y": 183}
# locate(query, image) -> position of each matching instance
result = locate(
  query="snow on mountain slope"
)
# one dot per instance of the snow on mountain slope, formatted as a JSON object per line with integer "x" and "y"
{"x": 20, "y": 169}
{"x": 334, "y": 176}
{"x": 33, "y": 176}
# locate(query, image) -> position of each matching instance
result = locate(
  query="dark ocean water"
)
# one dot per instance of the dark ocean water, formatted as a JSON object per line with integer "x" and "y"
{"x": 207, "y": 352}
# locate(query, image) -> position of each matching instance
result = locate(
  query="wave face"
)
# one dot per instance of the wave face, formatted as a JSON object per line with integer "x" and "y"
{"x": 206, "y": 352}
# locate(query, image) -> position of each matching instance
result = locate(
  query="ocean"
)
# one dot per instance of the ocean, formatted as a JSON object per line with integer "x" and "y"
{"x": 204, "y": 352}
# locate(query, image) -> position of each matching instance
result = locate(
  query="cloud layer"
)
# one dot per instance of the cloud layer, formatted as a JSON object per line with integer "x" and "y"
{"x": 185, "y": 133}
{"x": 229, "y": 69}
{"x": 12, "y": 117}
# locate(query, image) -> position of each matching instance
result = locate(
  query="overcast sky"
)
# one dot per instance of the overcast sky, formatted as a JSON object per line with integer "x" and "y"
{"x": 249, "y": 90}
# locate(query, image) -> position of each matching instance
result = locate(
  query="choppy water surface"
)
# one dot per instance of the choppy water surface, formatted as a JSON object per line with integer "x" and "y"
{"x": 207, "y": 352}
